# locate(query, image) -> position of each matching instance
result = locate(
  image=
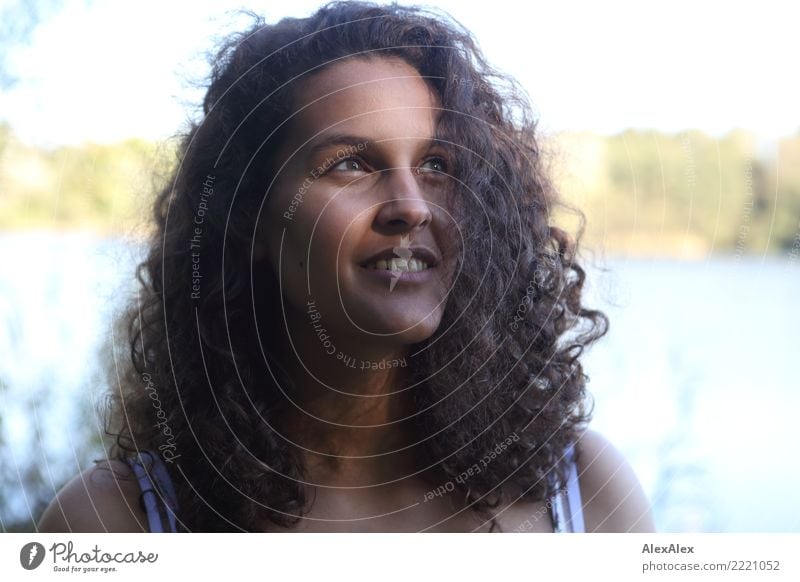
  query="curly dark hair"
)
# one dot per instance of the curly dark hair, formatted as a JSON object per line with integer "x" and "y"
{"x": 506, "y": 354}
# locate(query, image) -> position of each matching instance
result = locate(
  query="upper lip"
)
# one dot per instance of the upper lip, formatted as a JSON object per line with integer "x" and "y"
{"x": 417, "y": 252}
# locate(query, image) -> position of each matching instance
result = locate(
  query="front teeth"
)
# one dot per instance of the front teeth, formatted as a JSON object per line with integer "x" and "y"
{"x": 412, "y": 265}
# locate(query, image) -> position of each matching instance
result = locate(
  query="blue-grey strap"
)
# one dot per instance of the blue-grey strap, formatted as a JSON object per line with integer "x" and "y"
{"x": 566, "y": 507}
{"x": 156, "y": 486}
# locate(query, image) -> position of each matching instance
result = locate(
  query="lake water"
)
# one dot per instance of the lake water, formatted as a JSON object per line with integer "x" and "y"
{"x": 696, "y": 383}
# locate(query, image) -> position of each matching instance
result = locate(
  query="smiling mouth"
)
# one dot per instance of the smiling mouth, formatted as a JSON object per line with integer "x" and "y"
{"x": 403, "y": 258}
{"x": 398, "y": 265}
{"x": 394, "y": 272}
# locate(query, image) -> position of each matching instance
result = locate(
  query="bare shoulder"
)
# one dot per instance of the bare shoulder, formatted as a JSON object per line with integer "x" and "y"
{"x": 613, "y": 499}
{"x": 103, "y": 498}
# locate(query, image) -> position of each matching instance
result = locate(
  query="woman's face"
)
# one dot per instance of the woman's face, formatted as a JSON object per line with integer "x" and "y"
{"x": 356, "y": 218}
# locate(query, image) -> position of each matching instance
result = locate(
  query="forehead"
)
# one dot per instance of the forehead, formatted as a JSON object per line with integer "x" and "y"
{"x": 382, "y": 98}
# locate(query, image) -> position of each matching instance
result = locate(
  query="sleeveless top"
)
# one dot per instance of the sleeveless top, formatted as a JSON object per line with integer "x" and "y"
{"x": 565, "y": 505}
{"x": 158, "y": 495}
{"x": 161, "y": 505}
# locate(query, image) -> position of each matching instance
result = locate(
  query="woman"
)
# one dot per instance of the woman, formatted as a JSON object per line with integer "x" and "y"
{"x": 356, "y": 315}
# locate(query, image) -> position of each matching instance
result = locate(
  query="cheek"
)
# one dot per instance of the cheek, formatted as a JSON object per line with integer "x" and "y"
{"x": 326, "y": 238}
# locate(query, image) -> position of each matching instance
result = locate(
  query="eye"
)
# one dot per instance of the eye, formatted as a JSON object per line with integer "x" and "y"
{"x": 348, "y": 165}
{"x": 433, "y": 165}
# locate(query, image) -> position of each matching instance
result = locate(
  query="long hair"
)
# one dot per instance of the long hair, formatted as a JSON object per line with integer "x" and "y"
{"x": 498, "y": 386}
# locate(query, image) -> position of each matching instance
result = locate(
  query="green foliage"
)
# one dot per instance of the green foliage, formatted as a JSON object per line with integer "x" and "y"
{"x": 643, "y": 192}
{"x": 685, "y": 194}
{"x": 99, "y": 187}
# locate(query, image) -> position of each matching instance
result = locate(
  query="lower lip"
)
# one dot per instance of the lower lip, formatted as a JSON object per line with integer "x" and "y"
{"x": 386, "y": 276}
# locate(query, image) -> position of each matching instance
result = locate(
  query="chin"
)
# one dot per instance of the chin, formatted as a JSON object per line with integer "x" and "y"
{"x": 411, "y": 331}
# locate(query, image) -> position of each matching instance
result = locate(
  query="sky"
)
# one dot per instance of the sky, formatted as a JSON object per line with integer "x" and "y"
{"x": 105, "y": 71}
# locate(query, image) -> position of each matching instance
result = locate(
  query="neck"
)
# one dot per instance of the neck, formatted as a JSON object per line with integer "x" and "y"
{"x": 347, "y": 408}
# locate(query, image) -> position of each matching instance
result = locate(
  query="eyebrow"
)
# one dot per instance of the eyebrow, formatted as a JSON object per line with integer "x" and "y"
{"x": 345, "y": 139}
{"x": 335, "y": 139}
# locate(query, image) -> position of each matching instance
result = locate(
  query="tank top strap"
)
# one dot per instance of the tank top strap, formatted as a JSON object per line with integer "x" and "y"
{"x": 566, "y": 507}
{"x": 158, "y": 493}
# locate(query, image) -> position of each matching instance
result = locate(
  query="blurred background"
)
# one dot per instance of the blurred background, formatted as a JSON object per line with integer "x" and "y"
{"x": 674, "y": 128}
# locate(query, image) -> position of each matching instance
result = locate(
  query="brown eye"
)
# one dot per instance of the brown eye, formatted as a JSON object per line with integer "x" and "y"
{"x": 433, "y": 165}
{"x": 348, "y": 165}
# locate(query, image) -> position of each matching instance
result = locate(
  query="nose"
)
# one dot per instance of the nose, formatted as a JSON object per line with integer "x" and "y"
{"x": 406, "y": 208}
